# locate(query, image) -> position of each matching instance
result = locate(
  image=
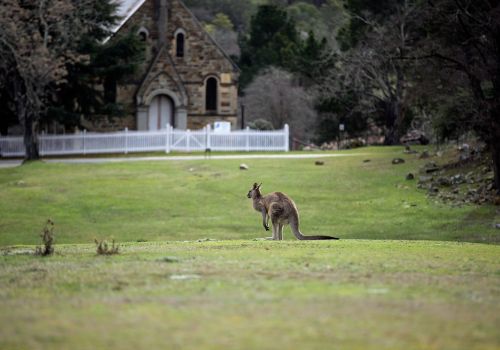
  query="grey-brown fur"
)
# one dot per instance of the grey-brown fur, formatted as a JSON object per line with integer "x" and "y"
{"x": 282, "y": 210}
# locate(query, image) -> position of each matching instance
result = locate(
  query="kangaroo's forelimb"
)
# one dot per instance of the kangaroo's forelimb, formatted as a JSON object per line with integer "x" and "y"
{"x": 265, "y": 219}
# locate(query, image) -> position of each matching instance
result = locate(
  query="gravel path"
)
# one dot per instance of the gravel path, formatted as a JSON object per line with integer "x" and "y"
{"x": 14, "y": 163}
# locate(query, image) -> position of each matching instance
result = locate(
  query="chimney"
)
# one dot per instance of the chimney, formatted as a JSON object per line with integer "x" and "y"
{"x": 162, "y": 12}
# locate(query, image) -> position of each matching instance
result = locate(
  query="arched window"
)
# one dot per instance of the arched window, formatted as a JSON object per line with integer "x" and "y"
{"x": 211, "y": 95}
{"x": 179, "y": 45}
{"x": 143, "y": 34}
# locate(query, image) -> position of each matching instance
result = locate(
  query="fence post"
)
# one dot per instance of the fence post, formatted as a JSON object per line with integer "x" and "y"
{"x": 63, "y": 141}
{"x": 208, "y": 131}
{"x": 167, "y": 143}
{"x": 126, "y": 140}
{"x": 188, "y": 144}
{"x": 171, "y": 138}
{"x": 287, "y": 137}
{"x": 84, "y": 146}
{"x": 247, "y": 139}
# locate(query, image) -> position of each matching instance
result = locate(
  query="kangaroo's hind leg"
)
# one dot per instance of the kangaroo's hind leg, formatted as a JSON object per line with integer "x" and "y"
{"x": 275, "y": 212}
{"x": 276, "y": 226}
{"x": 280, "y": 232}
{"x": 276, "y": 232}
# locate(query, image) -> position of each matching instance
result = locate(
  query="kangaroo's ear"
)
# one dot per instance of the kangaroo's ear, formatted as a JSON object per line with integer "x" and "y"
{"x": 255, "y": 185}
{"x": 258, "y": 187}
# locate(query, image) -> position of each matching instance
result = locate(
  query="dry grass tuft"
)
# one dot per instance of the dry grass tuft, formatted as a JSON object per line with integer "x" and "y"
{"x": 103, "y": 248}
{"x": 48, "y": 240}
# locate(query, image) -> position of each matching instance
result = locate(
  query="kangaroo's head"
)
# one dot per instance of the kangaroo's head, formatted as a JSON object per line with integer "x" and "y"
{"x": 254, "y": 191}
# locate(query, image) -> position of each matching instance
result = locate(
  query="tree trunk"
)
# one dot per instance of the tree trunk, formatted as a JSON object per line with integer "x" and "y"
{"x": 495, "y": 155}
{"x": 494, "y": 145}
{"x": 393, "y": 124}
{"x": 31, "y": 138}
{"x": 28, "y": 119}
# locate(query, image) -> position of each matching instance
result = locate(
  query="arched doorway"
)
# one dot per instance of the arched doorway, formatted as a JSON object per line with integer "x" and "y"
{"x": 161, "y": 112}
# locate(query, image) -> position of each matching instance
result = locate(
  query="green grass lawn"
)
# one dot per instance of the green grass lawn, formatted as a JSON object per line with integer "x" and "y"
{"x": 406, "y": 273}
{"x": 240, "y": 294}
{"x": 188, "y": 200}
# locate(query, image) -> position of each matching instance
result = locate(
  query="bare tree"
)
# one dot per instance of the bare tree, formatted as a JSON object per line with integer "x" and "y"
{"x": 27, "y": 35}
{"x": 373, "y": 70}
{"x": 463, "y": 38}
{"x": 275, "y": 96}
{"x": 38, "y": 40}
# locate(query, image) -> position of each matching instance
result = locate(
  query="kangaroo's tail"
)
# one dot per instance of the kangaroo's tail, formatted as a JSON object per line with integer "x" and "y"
{"x": 294, "y": 225}
{"x": 317, "y": 237}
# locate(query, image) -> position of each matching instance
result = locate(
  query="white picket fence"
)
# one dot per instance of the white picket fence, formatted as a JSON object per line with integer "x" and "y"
{"x": 167, "y": 140}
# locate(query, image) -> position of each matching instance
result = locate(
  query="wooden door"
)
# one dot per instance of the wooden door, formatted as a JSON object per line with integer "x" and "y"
{"x": 161, "y": 112}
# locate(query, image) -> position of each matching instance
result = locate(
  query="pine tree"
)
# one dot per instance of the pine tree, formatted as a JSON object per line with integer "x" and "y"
{"x": 90, "y": 87}
{"x": 273, "y": 41}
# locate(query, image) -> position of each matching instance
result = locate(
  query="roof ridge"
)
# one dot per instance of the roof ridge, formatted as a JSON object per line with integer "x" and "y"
{"x": 133, "y": 8}
{"x": 130, "y": 11}
{"x": 224, "y": 53}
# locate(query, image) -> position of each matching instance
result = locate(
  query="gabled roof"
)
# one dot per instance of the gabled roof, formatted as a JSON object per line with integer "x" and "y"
{"x": 127, "y": 8}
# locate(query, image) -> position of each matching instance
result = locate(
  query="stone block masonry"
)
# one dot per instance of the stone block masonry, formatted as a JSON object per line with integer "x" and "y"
{"x": 182, "y": 78}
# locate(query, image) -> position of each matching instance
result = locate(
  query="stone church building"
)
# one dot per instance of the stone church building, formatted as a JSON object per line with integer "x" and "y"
{"x": 186, "y": 79}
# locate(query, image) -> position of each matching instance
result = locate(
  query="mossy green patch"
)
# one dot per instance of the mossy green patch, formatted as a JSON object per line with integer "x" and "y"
{"x": 240, "y": 294}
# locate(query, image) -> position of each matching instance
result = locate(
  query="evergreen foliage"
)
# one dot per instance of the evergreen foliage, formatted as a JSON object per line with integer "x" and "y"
{"x": 108, "y": 64}
{"x": 314, "y": 59}
{"x": 273, "y": 41}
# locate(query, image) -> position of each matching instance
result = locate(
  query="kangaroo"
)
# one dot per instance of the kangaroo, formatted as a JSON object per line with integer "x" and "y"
{"x": 282, "y": 210}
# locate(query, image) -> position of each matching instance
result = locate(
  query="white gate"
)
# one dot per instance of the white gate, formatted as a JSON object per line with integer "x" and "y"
{"x": 167, "y": 140}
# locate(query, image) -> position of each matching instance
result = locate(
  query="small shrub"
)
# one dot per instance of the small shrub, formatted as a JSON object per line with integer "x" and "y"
{"x": 48, "y": 239}
{"x": 260, "y": 124}
{"x": 103, "y": 248}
